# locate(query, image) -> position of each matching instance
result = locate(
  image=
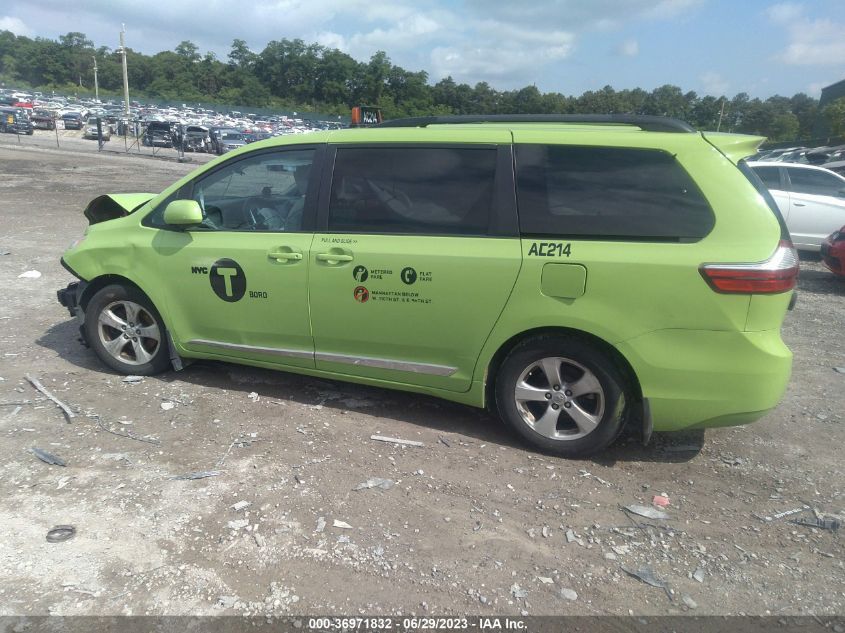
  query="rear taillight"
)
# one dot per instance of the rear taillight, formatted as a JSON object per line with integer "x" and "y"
{"x": 779, "y": 273}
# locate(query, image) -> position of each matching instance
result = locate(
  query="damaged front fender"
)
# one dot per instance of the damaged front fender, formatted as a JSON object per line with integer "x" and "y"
{"x": 115, "y": 205}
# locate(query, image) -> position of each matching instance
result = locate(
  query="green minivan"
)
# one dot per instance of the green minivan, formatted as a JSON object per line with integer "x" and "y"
{"x": 575, "y": 274}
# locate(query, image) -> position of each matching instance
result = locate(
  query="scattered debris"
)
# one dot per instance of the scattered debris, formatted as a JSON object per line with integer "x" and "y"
{"x": 443, "y": 441}
{"x": 687, "y": 600}
{"x": 240, "y": 505}
{"x": 30, "y": 274}
{"x": 38, "y": 386}
{"x": 546, "y": 531}
{"x": 61, "y": 533}
{"x": 545, "y": 580}
{"x": 660, "y": 501}
{"x": 826, "y": 523}
{"x": 341, "y": 524}
{"x": 48, "y": 458}
{"x": 568, "y": 594}
{"x": 779, "y": 515}
{"x": 254, "y": 396}
{"x": 840, "y": 370}
{"x": 237, "y": 524}
{"x": 321, "y": 524}
{"x": 128, "y": 434}
{"x": 375, "y": 482}
{"x": 645, "y": 511}
{"x": 518, "y": 592}
{"x": 698, "y": 575}
{"x": 646, "y": 575}
{"x": 62, "y": 482}
{"x": 226, "y": 602}
{"x": 394, "y": 440}
{"x": 167, "y": 406}
{"x": 681, "y": 448}
{"x": 201, "y": 474}
{"x": 589, "y": 475}
{"x": 132, "y": 380}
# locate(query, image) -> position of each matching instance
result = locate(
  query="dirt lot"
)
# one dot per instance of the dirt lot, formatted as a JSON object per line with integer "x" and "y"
{"x": 475, "y": 522}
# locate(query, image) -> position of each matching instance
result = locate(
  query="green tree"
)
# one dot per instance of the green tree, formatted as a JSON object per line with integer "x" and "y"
{"x": 834, "y": 113}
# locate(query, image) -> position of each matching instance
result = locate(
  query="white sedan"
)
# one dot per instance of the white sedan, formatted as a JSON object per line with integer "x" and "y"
{"x": 811, "y": 200}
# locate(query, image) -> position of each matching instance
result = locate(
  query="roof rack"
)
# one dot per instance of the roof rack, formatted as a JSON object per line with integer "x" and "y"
{"x": 646, "y": 123}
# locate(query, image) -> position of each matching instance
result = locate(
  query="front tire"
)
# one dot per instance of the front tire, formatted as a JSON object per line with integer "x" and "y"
{"x": 563, "y": 395}
{"x": 126, "y": 331}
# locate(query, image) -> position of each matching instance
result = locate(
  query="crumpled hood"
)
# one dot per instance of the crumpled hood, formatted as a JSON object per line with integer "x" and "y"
{"x": 115, "y": 205}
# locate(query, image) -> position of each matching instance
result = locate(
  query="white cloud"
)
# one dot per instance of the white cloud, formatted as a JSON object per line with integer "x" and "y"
{"x": 784, "y": 12}
{"x": 15, "y": 25}
{"x": 810, "y": 42}
{"x": 815, "y": 43}
{"x": 815, "y": 88}
{"x": 629, "y": 48}
{"x": 713, "y": 84}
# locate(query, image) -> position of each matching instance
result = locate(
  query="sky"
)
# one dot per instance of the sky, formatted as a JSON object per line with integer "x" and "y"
{"x": 716, "y": 47}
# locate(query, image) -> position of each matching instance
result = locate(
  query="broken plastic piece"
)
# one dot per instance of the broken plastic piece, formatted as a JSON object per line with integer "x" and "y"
{"x": 61, "y": 533}
{"x": 48, "y": 458}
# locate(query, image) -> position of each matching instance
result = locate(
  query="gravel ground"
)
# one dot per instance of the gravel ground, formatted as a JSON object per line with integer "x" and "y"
{"x": 473, "y": 522}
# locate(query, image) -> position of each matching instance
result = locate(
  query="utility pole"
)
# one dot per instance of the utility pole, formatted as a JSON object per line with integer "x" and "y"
{"x": 125, "y": 75}
{"x": 96, "y": 85}
{"x": 721, "y": 114}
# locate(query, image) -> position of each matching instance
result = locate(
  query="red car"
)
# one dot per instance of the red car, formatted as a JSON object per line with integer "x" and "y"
{"x": 833, "y": 252}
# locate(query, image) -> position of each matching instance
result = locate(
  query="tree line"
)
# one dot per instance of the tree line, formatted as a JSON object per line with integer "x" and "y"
{"x": 293, "y": 75}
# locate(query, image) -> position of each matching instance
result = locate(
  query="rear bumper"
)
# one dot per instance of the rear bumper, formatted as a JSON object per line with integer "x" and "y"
{"x": 699, "y": 378}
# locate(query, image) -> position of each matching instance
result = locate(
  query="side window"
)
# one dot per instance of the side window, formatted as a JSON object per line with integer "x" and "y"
{"x": 264, "y": 192}
{"x": 815, "y": 182}
{"x": 770, "y": 176}
{"x": 431, "y": 191}
{"x": 607, "y": 192}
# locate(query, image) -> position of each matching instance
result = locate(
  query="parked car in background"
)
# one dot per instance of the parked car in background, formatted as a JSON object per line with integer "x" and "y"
{"x": 43, "y": 119}
{"x": 837, "y": 167}
{"x": 91, "y": 129}
{"x": 197, "y": 139}
{"x": 833, "y": 252}
{"x": 14, "y": 122}
{"x": 811, "y": 200}
{"x": 228, "y": 141}
{"x": 158, "y": 134}
{"x": 216, "y": 132}
{"x": 573, "y": 273}
{"x": 73, "y": 121}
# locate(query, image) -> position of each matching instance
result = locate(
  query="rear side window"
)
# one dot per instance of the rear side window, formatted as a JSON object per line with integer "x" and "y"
{"x": 815, "y": 182}
{"x": 608, "y": 193}
{"x": 770, "y": 176}
{"x": 425, "y": 190}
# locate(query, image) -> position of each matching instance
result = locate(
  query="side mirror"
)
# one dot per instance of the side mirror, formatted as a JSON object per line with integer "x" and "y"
{"x": 183, "y": 213}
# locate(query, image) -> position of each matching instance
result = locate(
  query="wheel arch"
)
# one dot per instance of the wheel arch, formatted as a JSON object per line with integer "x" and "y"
{"x": 505, "y": 348}
{"x": 98, "y": 283}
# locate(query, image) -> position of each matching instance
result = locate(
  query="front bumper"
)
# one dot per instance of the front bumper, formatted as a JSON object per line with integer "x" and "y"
{"x": 71, "y": 297}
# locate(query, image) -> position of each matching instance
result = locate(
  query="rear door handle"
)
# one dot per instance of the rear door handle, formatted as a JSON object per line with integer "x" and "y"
{"x": 281, "y": 256}
{"x": 333, "y": 257}
{"x": 800, "y": 204}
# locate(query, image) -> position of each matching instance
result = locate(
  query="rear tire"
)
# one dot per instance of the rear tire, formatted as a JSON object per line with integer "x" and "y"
{"x": 126, "y": 331}
{"x": 563, "y": 395}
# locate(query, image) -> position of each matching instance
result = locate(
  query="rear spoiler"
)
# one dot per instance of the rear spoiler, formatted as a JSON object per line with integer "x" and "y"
{"x": 734, "y": 146}
{"x": 115, "y": 205}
